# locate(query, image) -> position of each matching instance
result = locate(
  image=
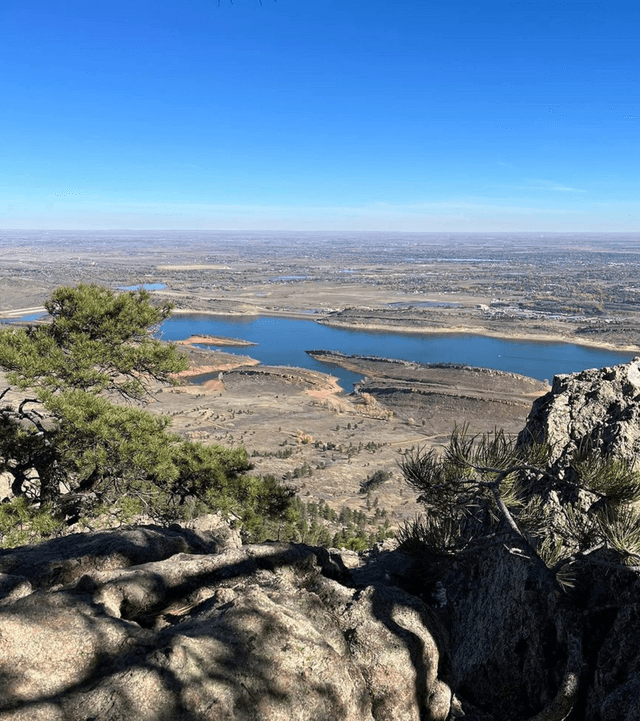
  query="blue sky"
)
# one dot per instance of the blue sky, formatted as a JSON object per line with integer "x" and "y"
{"x": 320, "y": 114}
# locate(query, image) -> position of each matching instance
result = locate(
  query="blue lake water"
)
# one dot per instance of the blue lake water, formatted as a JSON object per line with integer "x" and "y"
{"x": 144, "y": 286}
{"x": 283, "y": 341}
{"x": 25, "y": 318}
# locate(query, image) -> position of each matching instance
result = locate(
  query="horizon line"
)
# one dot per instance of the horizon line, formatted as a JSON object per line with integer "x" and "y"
{"x": 317, "y": 230}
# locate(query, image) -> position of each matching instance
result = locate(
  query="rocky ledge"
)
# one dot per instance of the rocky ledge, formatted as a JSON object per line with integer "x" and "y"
{"x": 152, "y": 623}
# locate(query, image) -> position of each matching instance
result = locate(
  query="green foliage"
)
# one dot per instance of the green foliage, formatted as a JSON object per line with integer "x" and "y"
{"x": 299, "y": 472}
{"x": 319, "y": 524}
{"x": 101, "y": 443}
{"x": 614, "y": 478}
{"x": 285, "y": 453}
{"x": 620, "y": 529}
{"x": 21, "y": 523}
{"x": 489, "y": 489}
{"x": 203, "y": 470}
{"x": 97, "y": 340}
{"x": 376, "y": 479}
{"x": 72, "y": 451}
{"x": 127, "y": 508}
{"x": 439, "y": 534}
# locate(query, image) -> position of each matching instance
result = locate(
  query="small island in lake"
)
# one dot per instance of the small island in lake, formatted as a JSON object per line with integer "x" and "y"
{"x": 215, "y": 340}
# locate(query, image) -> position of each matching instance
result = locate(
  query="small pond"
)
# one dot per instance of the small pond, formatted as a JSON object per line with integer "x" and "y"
{"x": 144, "y": 286}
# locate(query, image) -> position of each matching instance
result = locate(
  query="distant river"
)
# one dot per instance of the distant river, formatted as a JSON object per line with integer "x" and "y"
{"x": 283, "y": 341}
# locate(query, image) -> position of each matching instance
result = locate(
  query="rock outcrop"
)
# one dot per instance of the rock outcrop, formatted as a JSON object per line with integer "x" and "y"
{"x": 153, "y": 624}
{"x": 599, "y": 407}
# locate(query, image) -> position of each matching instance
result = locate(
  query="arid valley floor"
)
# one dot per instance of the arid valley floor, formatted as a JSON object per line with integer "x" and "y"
{"x": 298, "y": 423}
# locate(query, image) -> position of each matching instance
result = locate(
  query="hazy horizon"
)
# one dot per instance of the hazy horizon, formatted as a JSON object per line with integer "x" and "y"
{"x": 300, "y": 241}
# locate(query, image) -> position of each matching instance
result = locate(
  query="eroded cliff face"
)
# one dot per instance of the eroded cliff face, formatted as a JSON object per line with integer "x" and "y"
{"x": 160, "y": 624}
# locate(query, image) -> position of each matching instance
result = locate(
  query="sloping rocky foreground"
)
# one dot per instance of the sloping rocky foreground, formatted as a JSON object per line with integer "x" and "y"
{"x": 158, "y": 624}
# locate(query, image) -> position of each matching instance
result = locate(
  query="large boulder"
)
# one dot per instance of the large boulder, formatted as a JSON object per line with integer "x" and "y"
{"x": 152, "y": 624}
{"x": 615, "y": 691}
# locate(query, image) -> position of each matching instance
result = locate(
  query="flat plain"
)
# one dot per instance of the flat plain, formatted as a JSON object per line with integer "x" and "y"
{"x": 297, "y": 423}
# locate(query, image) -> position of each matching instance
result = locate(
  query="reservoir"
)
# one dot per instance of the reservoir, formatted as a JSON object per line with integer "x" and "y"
{"x": 284, "y": 341}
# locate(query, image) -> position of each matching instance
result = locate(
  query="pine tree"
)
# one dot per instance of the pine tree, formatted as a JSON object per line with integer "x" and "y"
{"x": 81, "y": 437}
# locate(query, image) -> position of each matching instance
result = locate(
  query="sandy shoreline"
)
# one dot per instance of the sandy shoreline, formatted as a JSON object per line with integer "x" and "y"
{"x": 485, "y": 332}
{"x": 16, "y": 313}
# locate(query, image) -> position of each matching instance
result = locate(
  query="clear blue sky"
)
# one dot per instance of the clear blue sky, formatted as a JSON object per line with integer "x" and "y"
{"x": 320, "y": 114}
